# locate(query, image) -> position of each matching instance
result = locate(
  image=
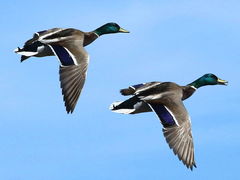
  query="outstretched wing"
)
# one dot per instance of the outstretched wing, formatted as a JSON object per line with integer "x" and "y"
{"x": 179, "y": 138}
{"x": 74, "y": 62}
{"x": 72, "y": 79}
{"x": 176, "y": 128}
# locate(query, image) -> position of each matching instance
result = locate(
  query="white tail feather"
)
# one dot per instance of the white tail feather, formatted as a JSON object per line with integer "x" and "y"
{"x": 124, "y": 111}
{"x": 26, "y": 53}
{"x": 16, "y": 50}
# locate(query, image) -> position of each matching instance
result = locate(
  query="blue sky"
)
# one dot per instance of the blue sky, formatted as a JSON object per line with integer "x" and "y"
{"x": 169, "y": 41}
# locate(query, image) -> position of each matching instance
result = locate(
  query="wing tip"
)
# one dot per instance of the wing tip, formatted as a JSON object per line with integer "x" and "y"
{"x": 68, "y": 107}
{"x": 69, "y": 110}
{"x": 192, "y": 165}
{"x": 189, "y": 163}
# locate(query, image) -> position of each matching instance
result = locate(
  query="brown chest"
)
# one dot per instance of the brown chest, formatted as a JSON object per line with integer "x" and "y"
{"x": 188, "y": 91}
{"x": 89, "y": 38}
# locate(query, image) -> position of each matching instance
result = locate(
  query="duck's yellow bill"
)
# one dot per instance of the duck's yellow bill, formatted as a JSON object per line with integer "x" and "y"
{"x": 123, "y": 30}
{"x": 220, "y": 81}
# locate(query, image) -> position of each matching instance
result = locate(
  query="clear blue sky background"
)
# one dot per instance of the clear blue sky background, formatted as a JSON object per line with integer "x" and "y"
{"x": 170, "y": 40}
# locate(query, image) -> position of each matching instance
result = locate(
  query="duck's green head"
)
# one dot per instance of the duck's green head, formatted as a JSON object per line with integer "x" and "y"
{"x": 208, "y": 79}
{"x": 110, "y": 28}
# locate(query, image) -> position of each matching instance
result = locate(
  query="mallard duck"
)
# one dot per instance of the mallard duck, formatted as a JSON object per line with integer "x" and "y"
{"x": 67, "y": 45}
{"x": 165, "y": 99}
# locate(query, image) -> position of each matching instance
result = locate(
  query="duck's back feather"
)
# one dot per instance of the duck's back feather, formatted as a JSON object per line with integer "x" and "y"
{"x": 135, "y": 89}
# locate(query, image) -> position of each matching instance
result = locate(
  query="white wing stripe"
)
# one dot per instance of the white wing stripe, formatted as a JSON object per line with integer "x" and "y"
{"x": 174, "y": 118}
{"x": 72, "y": 56}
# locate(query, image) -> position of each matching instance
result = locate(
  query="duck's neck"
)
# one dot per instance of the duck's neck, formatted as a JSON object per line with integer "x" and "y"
{"x": 98, "y": 32}
{"x": 197, "y": 83}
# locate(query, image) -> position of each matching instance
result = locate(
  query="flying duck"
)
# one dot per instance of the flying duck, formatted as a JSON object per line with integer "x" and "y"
{"x": 165, "y": 99}
{"x": 68, "y": 45}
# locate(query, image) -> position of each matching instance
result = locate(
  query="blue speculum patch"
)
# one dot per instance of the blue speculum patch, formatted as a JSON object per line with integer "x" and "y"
{"x": 137, "y": 86}
{"x": 63, "y": 55}
{"x": 165, "y": 117}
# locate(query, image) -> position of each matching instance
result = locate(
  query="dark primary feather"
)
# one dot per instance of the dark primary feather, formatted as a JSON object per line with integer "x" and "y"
{"x": 72, "y": 80}
{"x": 179, "y": 138}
